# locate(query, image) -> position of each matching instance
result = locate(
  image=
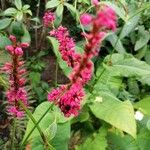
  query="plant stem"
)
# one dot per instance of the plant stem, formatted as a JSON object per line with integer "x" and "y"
{"x": 26, "y": 139}
{"x": 13, "y": 135}
{"x": 36, "y": 30}
{"x": 56, "y": 73}
{"x": 46, "y": 143}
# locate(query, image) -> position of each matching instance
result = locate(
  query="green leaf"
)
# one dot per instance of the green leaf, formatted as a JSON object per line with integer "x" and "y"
{"x": 71, "y": 8}
{"x": 52, "y": 3}
{"x": 116, "y": 43}
{"x": 143, "y": 105}
{"x": 61, "y": 139}
{"x": 143, "y": 139}
{"x": 35, "y": 77}
{"x": 51, "y": 131}
{"x": 26, "y": 37}
{"x": 63, "y": 65}
{"x": 129, "y": 26}
{"x": 4, "y": 41}
{"x": 25, "y": 7}
{"x": 18, "y": 4}
{"x": 119, "y": 114}
{"x": 127, "y": 66}
{"x": 10, "y": 12}
{"x": 4, "y": 23}
{"x": 118, "y": 142}
{"x": 96, "y": 142}
{"x": 19, "y": 16}
{"x": 47, "y": 121}
{"x": 59, "y": 10}
{"x": 144, "y": 37}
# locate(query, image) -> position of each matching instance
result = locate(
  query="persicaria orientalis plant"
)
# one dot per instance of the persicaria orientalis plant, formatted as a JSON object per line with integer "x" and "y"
{"x": 69, "y": 97}
{"x": 16, "y": 73}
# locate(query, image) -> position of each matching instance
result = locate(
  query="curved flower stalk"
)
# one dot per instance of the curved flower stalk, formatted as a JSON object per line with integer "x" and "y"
{"x": 69, "y": 97}
{"x": 15, "y": 70}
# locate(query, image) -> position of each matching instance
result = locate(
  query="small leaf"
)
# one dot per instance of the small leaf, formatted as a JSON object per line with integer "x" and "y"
{"x": 18, "y": 4}
{"x": 129, "y": 26}
{"x": 25, "y": 7}
{"x": 143, "y": 105}
{"x": 10, "y": 12}
{"x": 144, "y": 37}
{"x": 4, "y": 23}
{"x": 72, "y": 9}
{"x": 116, "y": 43}
{"x": 19, "y": 16}
{"x": 52, "y": 3}
{"x": 26, "y": 37}
{"x": 59, "y": 10}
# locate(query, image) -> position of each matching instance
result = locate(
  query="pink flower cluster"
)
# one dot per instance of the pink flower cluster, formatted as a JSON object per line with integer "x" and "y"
{"x": 66, "y": 46}
{"x": 48, "y": 18}
{"x": 68, "y": 97}
{"x": 15, "y": 70}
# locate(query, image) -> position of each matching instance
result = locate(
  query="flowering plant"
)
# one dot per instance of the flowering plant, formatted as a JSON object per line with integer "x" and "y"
{"x": 84, "y": 89}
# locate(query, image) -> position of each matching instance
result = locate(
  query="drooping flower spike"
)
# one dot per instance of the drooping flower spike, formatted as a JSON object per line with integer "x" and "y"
{"x": 69, "y": 97}
{"x": 15, "y": 71}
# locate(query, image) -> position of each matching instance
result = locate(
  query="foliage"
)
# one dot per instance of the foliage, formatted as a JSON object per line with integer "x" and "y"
{"x": 120, "y": 85}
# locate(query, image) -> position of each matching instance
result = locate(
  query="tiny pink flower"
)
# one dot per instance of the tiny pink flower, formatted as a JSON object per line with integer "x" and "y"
{"x": 13, "y": 38}
{"x": 24, "y": 45}
{"x": 85, "y": 19}
{"x": 10, "y": 49}
{"x": 18, "y": 51}
{"x": 95, "y": 2}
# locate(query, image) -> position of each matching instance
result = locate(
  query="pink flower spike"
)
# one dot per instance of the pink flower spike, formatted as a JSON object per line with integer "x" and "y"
{"x": 13, "y": 38}
{"x": 18, "y": 51}
{"x": 95, "y": 2}
{"x": 48, "y": 18}
{"x": 85, "y": 19}
{"x": 24, "y": 45}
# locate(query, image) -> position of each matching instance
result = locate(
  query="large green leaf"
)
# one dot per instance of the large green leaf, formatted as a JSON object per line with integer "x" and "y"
{"x": 96, "y": 142}
{"x": 119, "y": 114}
{"x": 4, "y": 23}
{"x": 60, "y": 141}
{"x": 127, "y": 66}
{"x": 63, "y": 65}
{"x": 144, "y": 105}
{"x": 53, "y": 124}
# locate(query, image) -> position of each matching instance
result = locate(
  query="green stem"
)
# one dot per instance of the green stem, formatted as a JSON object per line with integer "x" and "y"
{"x": 56, "y": 73}
{"x": 46, "y": 143}
{"x": 26, "y": 139}
{"x": 13, "y": 135}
